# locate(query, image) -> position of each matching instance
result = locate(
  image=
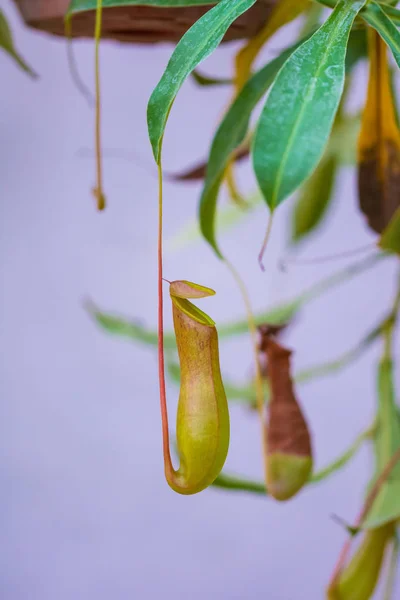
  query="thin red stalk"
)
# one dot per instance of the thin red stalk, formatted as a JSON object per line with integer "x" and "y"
{"x": 161, "y": 367}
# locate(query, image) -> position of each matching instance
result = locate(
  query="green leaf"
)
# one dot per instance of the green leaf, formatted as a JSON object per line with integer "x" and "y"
{"x": 343, "y": 141}
{"x": 205, "y": 81}
{"x": 7, "y": 43}
{"x": 133, "y": 330}
{"x": 229, "y": 216}
{"x": 390, "y": 11}
{"x": 297, "y": 118}
{"x": 386, "y": 507}
{"x": 240, "y": 484}
{"x": 388, "y": 31}
{"x": 82, "y": 5}
{"x": 246, "y": 394}
{"x": 356, "y": 48}
{"x": 197, "y": 43}
{"x": 390, "y": 240}
{"x": 125, "y": 327}
{"x": 343, "y": 459}
{"x": 230, "y": 134}
{"x": 285, "y": 312}
{"x": 313, "y": 202}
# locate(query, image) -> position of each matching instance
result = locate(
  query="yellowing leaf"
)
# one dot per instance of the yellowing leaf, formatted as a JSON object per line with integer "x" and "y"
{"x": 283, "y": 13}
{"x": 379, "y": 143}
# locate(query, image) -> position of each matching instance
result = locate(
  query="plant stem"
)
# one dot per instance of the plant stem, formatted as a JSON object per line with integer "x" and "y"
{"x": 257, "y": 487}
{"x": 253, "y": 333}
{"x": 382, "y": 479}
{"x": 98, "y": 191}
{"x": 266, "y": 240}
{"x": 161, "y": 368}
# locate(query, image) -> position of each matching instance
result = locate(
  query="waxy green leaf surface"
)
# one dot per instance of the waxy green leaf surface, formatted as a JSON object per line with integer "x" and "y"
{"x": 197, "y": 43}
{"x": 388, "y": 31}
{"x": 297, "y": 119}
{"x": 230, "y": 134}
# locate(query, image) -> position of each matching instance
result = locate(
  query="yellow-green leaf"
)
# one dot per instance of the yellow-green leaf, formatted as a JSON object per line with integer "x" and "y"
{"x": 390, "y": 240}
{"x": 7, "y": 43}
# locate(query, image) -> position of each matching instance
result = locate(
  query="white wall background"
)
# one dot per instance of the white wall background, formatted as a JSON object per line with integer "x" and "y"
{"x": 86, "y": 513}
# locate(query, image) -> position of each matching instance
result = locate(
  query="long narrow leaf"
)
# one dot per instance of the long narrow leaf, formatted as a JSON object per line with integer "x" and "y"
{"x": 386, "y": 507}
{"x": 230, "y": 134}
{"x": 281, "y": 314}
{"x": 296, "y": 121}
{"x": 246, "y": 395}
{"x": 314, "y": 199}
{"x": 197, "y": 43}
{"x": 239, "y": 484}
{"x": 388, "y": 31}
{"x": 7, "y": 43}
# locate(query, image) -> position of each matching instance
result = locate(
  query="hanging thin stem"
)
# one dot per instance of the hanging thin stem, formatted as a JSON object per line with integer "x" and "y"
{"x": 328, "y": 258}
{"x": 253, "y": 334}
{"x": 161, "y": 368}
{"x": 98, "y": 190}
{"x": 265, "y": 242}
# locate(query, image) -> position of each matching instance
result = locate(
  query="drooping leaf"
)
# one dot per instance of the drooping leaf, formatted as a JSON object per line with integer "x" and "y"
{"x": 281, "y": 314}
{"x": 229, "y": 216}
{"x": 379, "y": 143}
{"x": 282, "y": 13}
{"x": 126, "y": 328}
{"x": 230, "y": 135}
{"x": 197, "y": 43}
{"x": 7, "y": 43}
{"x": 378, "y": 19}
{"x": 314, "y": 199}
{"x": 391, "y": 11}
{"x": 344, "y": 458}
{"x": 240, "y": 484}
{"x": 245, "y": 394}
{"x": 343, "y": 141}
{"x": 297, "y": 118}
{"x": 206, "y": 81}
{"x": 356, "y": 48}
{"x": 386, "y": 506}
{"x": 390, "y": 240}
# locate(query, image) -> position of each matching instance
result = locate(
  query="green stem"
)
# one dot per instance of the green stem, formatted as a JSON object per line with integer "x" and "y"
{"x": 98, "y": 191}
{"x": 259, "y": 387}
{"x": 246, "y": 485}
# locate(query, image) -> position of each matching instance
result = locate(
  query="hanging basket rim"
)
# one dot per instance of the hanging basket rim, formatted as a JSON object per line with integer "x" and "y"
{"x": 140, "y": 23}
